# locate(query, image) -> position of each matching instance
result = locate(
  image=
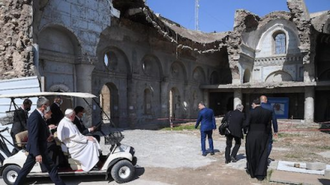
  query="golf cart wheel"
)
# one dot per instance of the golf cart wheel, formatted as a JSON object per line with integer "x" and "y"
{"x": 10, "y": 174}
{"x": 122, "y": 171}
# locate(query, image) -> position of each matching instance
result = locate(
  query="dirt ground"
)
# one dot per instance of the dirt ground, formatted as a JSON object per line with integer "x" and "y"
{"x": 174, "y": 157}
{"x": 296, "y": 142}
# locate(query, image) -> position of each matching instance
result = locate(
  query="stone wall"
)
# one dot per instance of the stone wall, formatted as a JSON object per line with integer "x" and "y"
{"x": 16, "y": 39}
{"x": 144, "y": 68}
{"x": 84, "y": 19}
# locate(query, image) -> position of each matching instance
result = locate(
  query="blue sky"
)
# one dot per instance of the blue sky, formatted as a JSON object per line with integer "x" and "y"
{"x": 218, "y": 15}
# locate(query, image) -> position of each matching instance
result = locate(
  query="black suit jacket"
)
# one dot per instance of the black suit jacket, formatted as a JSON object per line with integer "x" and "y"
{"x": 57, "y": 114}
{"x": 20, "y": 118}
{"x": 259, "y": 119}
{"x": 81, "y": 127}
{"x": 38, "y": 134}
{"x": 236, "y": 122}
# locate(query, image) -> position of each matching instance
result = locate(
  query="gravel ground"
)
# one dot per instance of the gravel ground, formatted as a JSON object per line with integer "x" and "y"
{"x": 172, "y": 149}
{"x": 167, "y": 149}
{"x": 165, "y": 156}
{"x": 174, "y": 157}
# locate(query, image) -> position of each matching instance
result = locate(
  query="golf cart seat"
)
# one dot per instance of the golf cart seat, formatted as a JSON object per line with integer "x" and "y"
{"x": 21, "y": 138}
{"x": 75, "y": 165}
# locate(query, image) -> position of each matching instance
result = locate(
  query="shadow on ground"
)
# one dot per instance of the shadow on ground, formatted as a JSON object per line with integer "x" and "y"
{"x": 325, "y": 181}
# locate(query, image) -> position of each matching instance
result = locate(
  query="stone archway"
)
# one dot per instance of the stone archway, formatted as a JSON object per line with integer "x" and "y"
{"x": 199, "y": 75}
{"x": 58, "y": 53}
{"x": 109, "y": 102}
{"x": 178, "y": 71}
{"x": 279, "y": 76}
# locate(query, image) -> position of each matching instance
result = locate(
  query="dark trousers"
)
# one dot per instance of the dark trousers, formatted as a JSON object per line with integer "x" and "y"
{"x": 30, "y": 162}
{"x": 229, "y": 141}
{"x": 203, "y": 138}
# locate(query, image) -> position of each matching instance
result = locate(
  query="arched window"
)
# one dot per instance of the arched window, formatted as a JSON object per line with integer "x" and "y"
{"x": 106, "y": 60}
{"x": 110, "y": 60}
{"x": 280, "y": 43}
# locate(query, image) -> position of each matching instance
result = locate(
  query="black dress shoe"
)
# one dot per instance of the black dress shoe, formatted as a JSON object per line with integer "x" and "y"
{"x": 233, "y": 159}
{"x": 212, "y": 153}
{"x": 227, "y": 161}
{"x": 204, "y": 154}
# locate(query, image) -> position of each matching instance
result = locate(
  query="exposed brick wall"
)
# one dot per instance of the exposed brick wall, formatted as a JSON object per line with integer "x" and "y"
{"x": 16, "y": 39}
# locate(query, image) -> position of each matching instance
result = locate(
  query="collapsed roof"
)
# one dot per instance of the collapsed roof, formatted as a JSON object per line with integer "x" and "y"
{"x": 138, "y": 11}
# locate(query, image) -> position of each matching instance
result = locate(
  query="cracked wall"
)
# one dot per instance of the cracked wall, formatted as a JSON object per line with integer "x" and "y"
{"x": 16, "y": 51}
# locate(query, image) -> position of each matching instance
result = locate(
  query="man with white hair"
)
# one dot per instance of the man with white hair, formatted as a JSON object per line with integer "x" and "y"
{"x": 235, "y": 120}
{"x": 84, "y": 149}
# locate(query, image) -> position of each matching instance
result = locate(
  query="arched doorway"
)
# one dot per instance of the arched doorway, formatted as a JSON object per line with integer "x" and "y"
{"x": 174, "y": 101}
{"x": 109, "y": 102}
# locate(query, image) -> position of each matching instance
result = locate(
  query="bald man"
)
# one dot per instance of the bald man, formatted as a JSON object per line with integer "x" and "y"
{"x": 264, "y": 104}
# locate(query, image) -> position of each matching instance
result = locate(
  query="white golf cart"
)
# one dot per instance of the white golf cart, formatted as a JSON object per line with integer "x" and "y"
{"x": 117, "y": 163}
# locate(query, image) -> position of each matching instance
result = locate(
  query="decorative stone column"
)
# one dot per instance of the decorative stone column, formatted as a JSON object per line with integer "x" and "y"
{"x": 309, "y": 104}
{"x": 237, "y": 97}
{"x": 83, "y": 78}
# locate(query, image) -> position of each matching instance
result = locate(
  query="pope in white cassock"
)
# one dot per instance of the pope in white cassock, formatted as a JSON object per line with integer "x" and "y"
{"x": 84, "y": 149}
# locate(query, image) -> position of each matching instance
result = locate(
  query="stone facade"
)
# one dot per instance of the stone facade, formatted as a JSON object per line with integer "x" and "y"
{"x": 147, "y": 69}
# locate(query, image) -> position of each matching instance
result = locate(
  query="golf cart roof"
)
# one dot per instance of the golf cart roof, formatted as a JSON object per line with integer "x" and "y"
{"x": 38, "y": 94}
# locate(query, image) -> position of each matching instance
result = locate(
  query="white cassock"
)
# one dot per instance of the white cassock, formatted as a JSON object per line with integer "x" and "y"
{"x": 80, "y": 148}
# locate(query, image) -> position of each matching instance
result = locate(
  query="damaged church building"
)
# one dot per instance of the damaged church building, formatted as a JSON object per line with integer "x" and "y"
{"x": 147, "y": 69}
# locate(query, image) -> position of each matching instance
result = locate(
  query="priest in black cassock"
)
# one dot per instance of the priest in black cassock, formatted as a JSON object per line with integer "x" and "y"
{"x": 258, "y": 124}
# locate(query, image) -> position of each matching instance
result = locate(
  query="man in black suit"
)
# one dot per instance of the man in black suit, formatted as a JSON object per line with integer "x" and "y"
{"x": 56, "y": 110}
{"x": 258, "y": 123}
{"x": 20, "y": 118}
{"x": 235, "y": 119}
{"x": 78, "y": 121}
{"x": 37, "y": 144}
